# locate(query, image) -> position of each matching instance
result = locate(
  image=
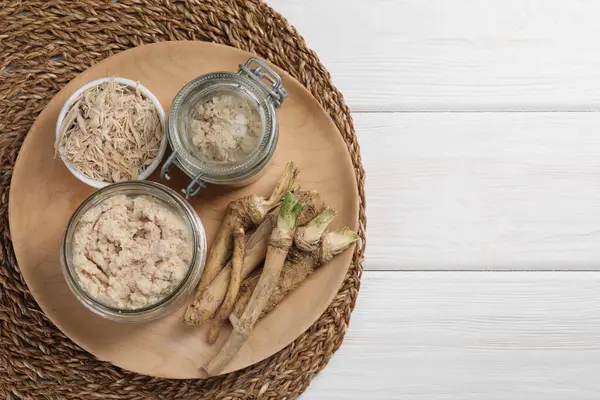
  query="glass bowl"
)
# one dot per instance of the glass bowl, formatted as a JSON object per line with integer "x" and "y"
{"x": 172, "y": 301}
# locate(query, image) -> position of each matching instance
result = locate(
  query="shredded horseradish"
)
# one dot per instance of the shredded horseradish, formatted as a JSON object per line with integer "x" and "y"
{"x": 111, "y": 133}
{"x": 225, "y": 128}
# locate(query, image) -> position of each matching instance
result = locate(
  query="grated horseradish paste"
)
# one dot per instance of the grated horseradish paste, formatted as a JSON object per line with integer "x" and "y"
{"x": 225, "y": 128}
{"x": 131, "y": 252}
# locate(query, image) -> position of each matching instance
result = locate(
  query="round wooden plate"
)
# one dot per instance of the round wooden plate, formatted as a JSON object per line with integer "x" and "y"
{"x": 44, "y": 194}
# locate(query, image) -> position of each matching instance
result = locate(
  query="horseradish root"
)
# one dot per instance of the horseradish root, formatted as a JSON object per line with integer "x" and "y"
{"x": 256, "y": 249}
{"x": 307, "y": 237}
{"x": 243, "y": 213}
{"x": 298, "y": 266}
{"x": 280, "y": 242}
{"x": 312, "y": 205}
{"x": 311, "y": 201}
{"x": 235, "y": 280}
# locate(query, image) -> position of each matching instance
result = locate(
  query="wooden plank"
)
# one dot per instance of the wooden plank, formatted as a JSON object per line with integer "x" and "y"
{"x": 469, "y": 335}
{"x": 498, "y": 191}
{"x": 455, "y": 55}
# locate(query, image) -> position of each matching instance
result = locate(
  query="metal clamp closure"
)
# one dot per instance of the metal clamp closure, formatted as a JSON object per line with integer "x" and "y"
{"x": 276, "y": 91}
{"x": 195, "y": 186}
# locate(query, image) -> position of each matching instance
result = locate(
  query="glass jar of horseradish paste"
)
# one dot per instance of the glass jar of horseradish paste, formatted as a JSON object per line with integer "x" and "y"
{"x": 133, "y": 251}
{"x": 223, "y": 126}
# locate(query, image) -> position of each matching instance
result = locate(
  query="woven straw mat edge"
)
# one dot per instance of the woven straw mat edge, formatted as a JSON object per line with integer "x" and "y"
{"x": 45, "y": 44}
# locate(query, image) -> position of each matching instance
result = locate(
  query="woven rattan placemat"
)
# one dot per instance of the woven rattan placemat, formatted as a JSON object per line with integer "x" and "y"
{"x": 43, "y": 45}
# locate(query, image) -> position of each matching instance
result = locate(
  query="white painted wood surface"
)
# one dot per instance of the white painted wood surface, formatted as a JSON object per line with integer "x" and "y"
{"x": 495, "y": 191}
{"x": 456, "y": 55}
{"x": 480, "y": 134}
{"x": 469, "y": 336}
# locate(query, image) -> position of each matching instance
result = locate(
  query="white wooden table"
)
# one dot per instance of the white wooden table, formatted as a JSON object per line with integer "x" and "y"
{"x": 480, "y": 134}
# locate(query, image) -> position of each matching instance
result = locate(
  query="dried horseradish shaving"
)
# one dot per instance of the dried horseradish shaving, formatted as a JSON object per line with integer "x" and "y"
{"x": 225, "y": 128}
{"x": 111, "y": 133}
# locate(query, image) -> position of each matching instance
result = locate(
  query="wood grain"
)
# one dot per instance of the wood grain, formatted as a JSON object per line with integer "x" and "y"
{"x": 469, "y": 335}
{"x": 492, "y": 191}
{"x": 454, "y": 191}
{"x": 391, "y": 55}
{"x": 44, "y": 194}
